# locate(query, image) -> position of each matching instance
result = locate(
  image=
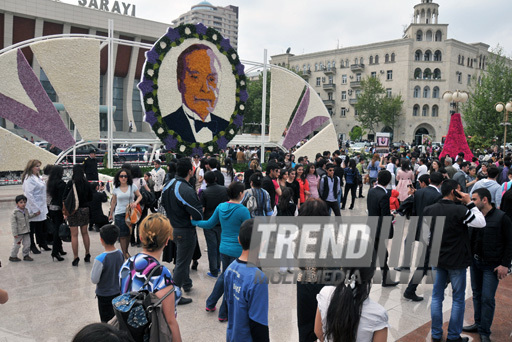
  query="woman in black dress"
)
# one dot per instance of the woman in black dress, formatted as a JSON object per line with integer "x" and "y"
{"x": 56, "y": 188}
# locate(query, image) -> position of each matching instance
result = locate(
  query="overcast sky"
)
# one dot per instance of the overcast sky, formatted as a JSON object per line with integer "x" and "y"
{"x": 310, "y": 26}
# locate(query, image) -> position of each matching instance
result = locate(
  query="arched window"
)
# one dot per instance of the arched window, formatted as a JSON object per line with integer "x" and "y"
{"x": 417, "y": 90}
{"x": 417, "y": 73}
{"x": 371, "y": 60}
{"x": 435, "y": 93}
{"x": 316, "y": 66}
{"x": 462, "y": 60}
{"x": 356, "y": 60}
{"x": 424, "y": 112}
{"x": 361, "y": 60}
{"x": 328, "y": 65}
{"x": 426, "y": 92}
{"x": 416, "y": 110}
{"x": 346, "y": 63}
{"x": 309, "y": 67}
{"x": 439, "y": 35}
{"x": 386, "y": 58}
{"x": 437, "y": 74}
{"x": 321, "y": 66}
{"x": 459, "y": 60}
{"x": 342, "y": 63}
{"x": 393, "y": 57}
{"x": 428, "y": 36}
{"x": 376, "y": 59}
{"x": 419, "y": 35}
{"x": 333, "y": 64}
{"x": 427, "y": 74}
{"x": 427, "y": 56}
{"x": 417, "y": 55}
{"x": 437, "y": 56}
{"x": 435, "y": 111}
{"x": 304, "y": 68}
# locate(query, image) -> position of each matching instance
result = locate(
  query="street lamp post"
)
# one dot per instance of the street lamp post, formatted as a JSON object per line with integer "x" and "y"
{"x": 454, "y": 98}
{"x": 508, "y": 108}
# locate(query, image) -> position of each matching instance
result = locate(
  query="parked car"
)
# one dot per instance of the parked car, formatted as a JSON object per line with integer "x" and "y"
{"x": 42, "y": 144}
{"x": 134, "y": 153}
{"x": 357, "y": 147}
{"x": 122, "y": 148}
{"x": 83, "y": 152}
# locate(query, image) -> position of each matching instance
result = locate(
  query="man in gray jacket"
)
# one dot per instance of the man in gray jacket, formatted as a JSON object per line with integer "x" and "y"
{"x": 490, "y": 184}
{"x": 460, "y": 176}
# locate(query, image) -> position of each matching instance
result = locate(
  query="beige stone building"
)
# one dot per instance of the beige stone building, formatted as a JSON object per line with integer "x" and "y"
{"x": 223, "y": 19}
{"x": 420, "y": 66}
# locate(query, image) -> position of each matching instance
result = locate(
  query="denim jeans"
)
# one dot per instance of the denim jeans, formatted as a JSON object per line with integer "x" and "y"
{"x": 484, "y": 283}
{"x": 218, "y": 289}
{"x": 212, "y": 237}
{"x": 185, "y": 239}
{"x": 457, "y": 278}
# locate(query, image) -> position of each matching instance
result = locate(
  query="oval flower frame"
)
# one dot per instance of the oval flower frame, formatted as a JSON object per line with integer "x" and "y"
{"x": 149, "y": 89}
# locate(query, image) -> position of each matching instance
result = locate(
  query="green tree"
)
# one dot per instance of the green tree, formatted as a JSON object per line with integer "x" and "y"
{"x": 374, "y": 107}
{"x": 356, "y": 133}
{"x": 390, "y": 110}
{"x": 252, "y": 115}
{"x": 480, "y": 116}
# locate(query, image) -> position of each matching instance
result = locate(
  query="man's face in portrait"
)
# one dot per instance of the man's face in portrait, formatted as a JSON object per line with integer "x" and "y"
{"x": 198, "y": 83}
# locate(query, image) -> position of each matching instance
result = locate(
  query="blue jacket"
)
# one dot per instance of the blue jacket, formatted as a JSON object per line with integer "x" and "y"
{"x": 230, "y": 216}
{"x": 180, "y": 201}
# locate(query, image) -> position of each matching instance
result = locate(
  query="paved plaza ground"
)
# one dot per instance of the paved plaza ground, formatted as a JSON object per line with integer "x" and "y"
{"x": 51, "y": 301}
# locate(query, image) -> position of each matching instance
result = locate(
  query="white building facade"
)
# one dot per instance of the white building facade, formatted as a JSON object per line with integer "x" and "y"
{"x": 223, "y": 19}
{"x": 420, "y": 66}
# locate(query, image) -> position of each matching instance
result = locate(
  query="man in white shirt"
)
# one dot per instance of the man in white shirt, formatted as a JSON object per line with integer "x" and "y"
{"x": 158, "y": 176}
{"x": 422, "y": 170}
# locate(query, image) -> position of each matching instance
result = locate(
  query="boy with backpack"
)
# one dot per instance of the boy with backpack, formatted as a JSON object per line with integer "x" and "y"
{"x": 246, "y": 295}
{"x": 105, "y": 271}
{"x": 256, "y": 199}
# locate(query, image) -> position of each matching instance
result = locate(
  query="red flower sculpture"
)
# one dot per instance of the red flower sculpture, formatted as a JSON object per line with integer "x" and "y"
{"x": 456, "y": 139}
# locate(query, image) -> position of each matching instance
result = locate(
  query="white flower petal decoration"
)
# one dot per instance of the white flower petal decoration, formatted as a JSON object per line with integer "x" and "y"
{"x": 151, "y": 72}
{"x": 242, "y": 83}
{"x": 160, "y": 130}
{"x": 231, "y": 132}
{"x": 210, "y": 148}
{"x": 187, "y": 31}
{"x": 233, "y": 56}
{"x": 150, "y": 101}
{"x": 214, "y": 37}
{"x": 242, "y": 107}
{"x": 182, "y": 148}
{"x": 163, "y": 45}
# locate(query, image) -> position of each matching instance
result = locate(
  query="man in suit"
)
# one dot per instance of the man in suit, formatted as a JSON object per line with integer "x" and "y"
{"x": 378, "y": 205}
{"x": 197, "y": 75}
{"x": 422, "y": 199}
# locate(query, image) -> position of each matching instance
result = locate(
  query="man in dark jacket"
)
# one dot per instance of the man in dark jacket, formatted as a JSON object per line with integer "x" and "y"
{"x": 272, "y": 172}
{"x": 422, "y": 199}
{"x": 329, "y": 188}
{"x": 491, "y": 248}
{"x": 454, "y": 256}
{"x": 180, "y": 202}
{"x": 211, "y": 197}
{"x": 96, "y": 216}
{"x": 91, "y": 166}
{"x": 213, "y": 166}
{"x": 377, "y": 203}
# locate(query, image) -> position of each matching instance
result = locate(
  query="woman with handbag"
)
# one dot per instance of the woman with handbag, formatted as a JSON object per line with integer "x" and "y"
{"x": 124, "y": 197}
{"x": 56, "y": 188}
{"x": 140, "y": 183}
{"x": 34, "y": 189}
{"x": 79, "y": 218}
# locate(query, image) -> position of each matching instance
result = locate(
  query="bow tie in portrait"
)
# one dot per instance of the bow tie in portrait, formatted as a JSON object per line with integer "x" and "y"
{"x": 198, "y": 124}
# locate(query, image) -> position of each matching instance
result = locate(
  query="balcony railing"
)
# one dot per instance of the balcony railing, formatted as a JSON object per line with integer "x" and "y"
{"x": 329, "y": 86}
{"x": 352, "y": 101}
{"x": 357, "y": 67}
{"x": 355, "y": 84}
{"x": 330, "y": 71}
{"x": 329, "y": 103}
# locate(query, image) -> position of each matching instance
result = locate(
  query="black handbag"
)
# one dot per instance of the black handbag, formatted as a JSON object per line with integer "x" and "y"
{"x": 65, "y": 232}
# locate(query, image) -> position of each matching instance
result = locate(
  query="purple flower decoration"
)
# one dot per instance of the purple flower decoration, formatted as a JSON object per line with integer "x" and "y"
{"x": 150, "y": 118}
{"x": 146, "y": 86}
{"x": 170, "y": 142}
{"x": 172, "y": 34}
{"x": 225, "y": 44}
{"x": 240, "y": 69}
{"x": 222, "y": 142}
{"x": 198, "y": 151}
{"x": 238, "y": 120}
{"x": 243, "y": 95}
{"x": 201, "y": 29}
{"x": 151, "y": 56}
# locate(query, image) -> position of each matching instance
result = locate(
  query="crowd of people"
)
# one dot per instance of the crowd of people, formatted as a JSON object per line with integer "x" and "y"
{"x": 475, "y": 196}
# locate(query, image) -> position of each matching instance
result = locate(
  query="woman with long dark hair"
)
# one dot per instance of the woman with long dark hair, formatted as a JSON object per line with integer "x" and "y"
{"x": 346, "y": 313}
{"x": 56, "y": 188}
{"x": 140, "y": 183}
{"x": 351, "y": 177}
{"x": 292, "y": 183}
{"x": 81, "y": 217}
{"x": 405, "y": 177}
{"x": 313, "y": 180}
{"x": 253, "y": 168}
{"x": 228, "y": 172}
{"x": 34, "y": 189}
{"x": 303, "y": 183}
{"x": 286, "y": 206}
{"x": 124, "y": 194}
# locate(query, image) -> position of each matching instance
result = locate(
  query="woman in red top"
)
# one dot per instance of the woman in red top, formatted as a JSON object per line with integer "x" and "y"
{"x": 303, "y": 183}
